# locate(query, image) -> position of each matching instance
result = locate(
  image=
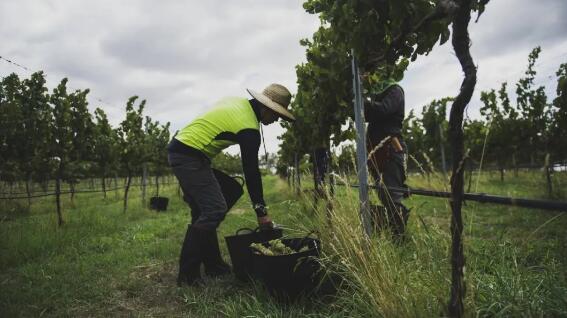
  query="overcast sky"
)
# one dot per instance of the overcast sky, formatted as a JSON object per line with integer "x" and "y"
{"x": 182, "y": 56}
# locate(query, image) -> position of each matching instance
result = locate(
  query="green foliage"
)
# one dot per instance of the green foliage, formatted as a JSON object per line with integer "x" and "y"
{"x": 384, "y": 35}
{"x": 509, "y": 134}
{"x": 435, "y": 126}
{"x": 526, "y": 131}
{"x": 412, "y": 130}
{"x": 12, "y": 118}
{"x": 475, "y": 136}
{"x": 558, "y": 142}
{"x": 503, "y": 128}
{"x": 157, "y": 138}
{"x": 106, "y": 145}
{"x": 346, "y": 160}
{"x": 73, "y": 132}
{"x": 533, "y": 107}
{"x": 34, "y": 131}
{"x": 53, "y": 136}
{"x": 133, "y": 152}
{"x": 62, "y": 142}
{"x": 82, "y": 131}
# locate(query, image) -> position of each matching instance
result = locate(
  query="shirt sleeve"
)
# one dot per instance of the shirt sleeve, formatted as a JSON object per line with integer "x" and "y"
{"x": 387, "y": 105}
{"x": 249, "y": 141}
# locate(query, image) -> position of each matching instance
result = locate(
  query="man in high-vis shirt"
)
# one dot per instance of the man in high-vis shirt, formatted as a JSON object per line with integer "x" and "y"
{"x": 231, "y": 121}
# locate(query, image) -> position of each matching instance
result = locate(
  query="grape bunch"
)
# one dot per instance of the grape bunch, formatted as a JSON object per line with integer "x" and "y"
{"x": 275, "y": 247}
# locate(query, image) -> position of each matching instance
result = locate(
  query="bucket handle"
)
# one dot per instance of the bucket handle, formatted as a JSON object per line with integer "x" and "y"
{"x": 246, "y": 229}
{"x": 257, "y": 229}
{"x": 308, "y": 235}
{"x": 242, "y": 181}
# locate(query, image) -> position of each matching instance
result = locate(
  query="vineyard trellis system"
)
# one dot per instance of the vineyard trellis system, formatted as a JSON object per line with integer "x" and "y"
{"x": 2, "y": 197}
{"x": 478, "y": 197}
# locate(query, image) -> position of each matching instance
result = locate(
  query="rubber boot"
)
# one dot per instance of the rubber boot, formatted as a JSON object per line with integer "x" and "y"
{"x": 191, "y": 257}
{"x": 214, "y": 264}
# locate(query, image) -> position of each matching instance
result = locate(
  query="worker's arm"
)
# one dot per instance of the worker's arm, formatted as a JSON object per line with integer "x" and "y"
{"x": 393, "y": 98}
{"x": 249, "y": 141}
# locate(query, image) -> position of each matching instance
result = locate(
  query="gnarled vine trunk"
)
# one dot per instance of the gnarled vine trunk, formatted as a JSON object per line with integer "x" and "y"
{"x": 60, "y": 221}
{"x": 103, "y": 182}
{"x": 461, "y": 44}
{"x": 127, "y": 188}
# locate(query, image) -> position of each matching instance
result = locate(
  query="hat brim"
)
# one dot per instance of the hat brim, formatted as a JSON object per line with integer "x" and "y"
{"x": 266, "y": 101}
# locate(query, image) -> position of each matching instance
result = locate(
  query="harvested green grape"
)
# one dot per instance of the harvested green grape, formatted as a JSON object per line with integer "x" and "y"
{"x": 261, "y": 249}
{"x": 275, "y": 247}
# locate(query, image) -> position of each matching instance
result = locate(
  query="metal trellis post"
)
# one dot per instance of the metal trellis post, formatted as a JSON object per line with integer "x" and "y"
{"x": 361, "y": 147}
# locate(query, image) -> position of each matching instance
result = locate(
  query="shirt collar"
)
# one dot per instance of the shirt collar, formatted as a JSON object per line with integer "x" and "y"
{"x": 256, "y": 108}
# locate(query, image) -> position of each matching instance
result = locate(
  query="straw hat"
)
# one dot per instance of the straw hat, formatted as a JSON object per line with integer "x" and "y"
{"x": 276, "y": 97}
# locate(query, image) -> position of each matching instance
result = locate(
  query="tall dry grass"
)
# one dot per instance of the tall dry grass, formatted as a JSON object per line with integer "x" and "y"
{"x": 380, "y": 277}
{"x": 505, "y": 275}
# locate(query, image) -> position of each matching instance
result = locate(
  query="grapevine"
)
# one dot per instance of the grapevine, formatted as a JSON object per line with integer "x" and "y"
{"x": 275, "y": 248}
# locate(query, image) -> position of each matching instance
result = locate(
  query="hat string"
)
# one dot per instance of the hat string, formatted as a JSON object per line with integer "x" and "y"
{"x": 264, "y": 143}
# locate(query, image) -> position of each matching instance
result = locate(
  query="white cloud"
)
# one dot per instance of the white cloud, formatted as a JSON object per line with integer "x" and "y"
{"x": 182, "y": 56}
{"x": 179, "y": 55}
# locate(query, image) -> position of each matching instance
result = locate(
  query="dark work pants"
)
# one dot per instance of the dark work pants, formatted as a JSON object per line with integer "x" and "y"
{"x": 201, "y": 189}
{"x": 392, "y": 174}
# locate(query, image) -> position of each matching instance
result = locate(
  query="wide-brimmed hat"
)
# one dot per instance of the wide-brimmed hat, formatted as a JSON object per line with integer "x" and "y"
{"x": 277, "y": 98}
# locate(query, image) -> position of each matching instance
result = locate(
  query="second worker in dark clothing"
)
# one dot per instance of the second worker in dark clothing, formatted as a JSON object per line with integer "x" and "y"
{"x": 384, "y": 111}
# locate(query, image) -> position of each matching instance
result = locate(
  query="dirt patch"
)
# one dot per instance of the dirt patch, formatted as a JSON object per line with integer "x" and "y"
{"x": 150, "y": 290}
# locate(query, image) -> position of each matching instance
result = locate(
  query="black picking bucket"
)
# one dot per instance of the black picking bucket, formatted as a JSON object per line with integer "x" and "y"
{"x": 231, "y": 189}
{"x": 159, "y": 203}
{"x": 287, "y": 277}
{"x": 239, "y": 249}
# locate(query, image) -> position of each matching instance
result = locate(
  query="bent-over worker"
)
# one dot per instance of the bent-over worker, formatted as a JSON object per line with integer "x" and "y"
{"x": 232, "y": 120}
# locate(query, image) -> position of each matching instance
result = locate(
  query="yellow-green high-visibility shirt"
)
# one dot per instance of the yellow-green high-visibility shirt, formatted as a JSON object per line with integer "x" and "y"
{"x": 218, "y": 128}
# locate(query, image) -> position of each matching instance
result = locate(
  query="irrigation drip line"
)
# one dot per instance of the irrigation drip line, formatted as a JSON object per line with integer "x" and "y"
{"x": 480, "y": 197}
{"x": 65, "y": 192}
{"x": 477, "y": 197}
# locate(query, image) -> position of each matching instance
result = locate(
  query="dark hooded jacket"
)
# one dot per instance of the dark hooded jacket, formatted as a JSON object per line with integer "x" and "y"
{"x": 385, "y": 113}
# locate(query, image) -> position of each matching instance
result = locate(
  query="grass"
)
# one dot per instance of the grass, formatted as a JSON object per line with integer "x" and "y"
{"x": 103, "y": 262}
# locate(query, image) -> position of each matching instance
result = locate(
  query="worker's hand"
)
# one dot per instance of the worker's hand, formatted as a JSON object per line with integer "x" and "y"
{"x": 265, "y": 223}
